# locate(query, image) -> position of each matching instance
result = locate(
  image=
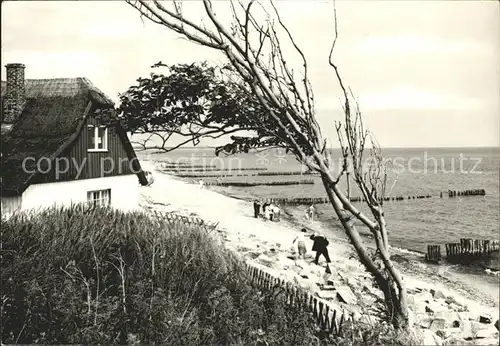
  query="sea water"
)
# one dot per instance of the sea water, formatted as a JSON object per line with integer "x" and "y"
{"x": 412, "y": 223}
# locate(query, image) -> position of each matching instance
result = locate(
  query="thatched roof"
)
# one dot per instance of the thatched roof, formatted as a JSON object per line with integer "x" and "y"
{"x": 54, "y": 111}
{"x": 63, "y": 87}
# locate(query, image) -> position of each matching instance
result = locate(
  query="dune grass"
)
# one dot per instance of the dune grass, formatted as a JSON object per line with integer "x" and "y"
{"x": 83, "y": 275}
{"x": 98, "y": 276}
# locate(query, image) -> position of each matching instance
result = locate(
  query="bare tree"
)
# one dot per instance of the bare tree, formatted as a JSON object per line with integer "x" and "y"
{"x": 252, "y": 42}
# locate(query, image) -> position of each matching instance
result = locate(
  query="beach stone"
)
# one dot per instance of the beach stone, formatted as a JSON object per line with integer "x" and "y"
{"x": 253, "y": 254}
{"x": 437, "y": 324}
{"x": 446, "y": 333}
{"x": 352, "y": 281}
{"x": 464, "y": 316}
{"x": 470, "y": 329}
{"x": 345, "y": 295}
{"x": 423, "y": 297}
{"x": 431, "y": 338}
{"x": 435, "y": 308}
{"x": 425, "y": 322}
{"x": 485, "y": 318}
{"x": 265, "y": 260}
{"x": 488, "y": 333}
{"x": 455, "y": 340}
{"x": 419, "y": 308}
{"x": 437, "y": 294}
{"x": 487, "y": 342}
{"x": 327, "y": 295}
{"x": 412, "y": 291}
{"x": 451, "y": 317}
{"x": 451, "y": 300}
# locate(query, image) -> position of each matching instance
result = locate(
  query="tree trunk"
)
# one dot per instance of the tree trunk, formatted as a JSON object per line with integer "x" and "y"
{"x": 389, "y": 283}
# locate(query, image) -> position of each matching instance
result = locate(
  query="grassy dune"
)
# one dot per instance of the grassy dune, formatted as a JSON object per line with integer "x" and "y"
{"x": 97, "y": 276}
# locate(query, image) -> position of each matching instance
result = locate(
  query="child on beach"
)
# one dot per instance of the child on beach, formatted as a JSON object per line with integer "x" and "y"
{"x": 271, "y": 210}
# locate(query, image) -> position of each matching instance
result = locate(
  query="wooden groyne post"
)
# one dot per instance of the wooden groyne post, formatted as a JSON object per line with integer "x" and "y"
{"x": 470, "y": 250}
{"x": 476, "y": 192}
{"x": 433, "y": 253}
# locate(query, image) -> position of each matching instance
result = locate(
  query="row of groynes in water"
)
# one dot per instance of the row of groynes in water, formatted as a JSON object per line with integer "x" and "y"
{"x": 465, "y": 252}
{"x": 185, "y": 174}
{"x": 267, "y": 183}
{"x": 185, "y": 170}
{"x": 476, "y": 192}
{"x": 322, "y": 200}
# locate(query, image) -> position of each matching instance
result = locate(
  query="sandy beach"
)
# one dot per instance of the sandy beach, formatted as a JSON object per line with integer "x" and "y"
{"x": 443, "y": 307}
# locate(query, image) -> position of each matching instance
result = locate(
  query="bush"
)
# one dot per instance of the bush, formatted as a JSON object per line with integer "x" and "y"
{"x": 90, "y": 275}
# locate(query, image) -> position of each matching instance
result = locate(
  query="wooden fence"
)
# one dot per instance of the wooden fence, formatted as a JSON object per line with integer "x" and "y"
{"x": 193, "y": 221}
{"x": 433, "y": 253}
{"x": 327, "y": 317}
{"x": 467, "y": 251}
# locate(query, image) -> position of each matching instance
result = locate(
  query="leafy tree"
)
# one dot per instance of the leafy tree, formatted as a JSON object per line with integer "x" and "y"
{"x": 195, "y": 101}
{"x": 280, "y": 108}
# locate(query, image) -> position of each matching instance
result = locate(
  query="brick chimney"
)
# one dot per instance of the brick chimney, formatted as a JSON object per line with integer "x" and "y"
{"x": 15, "y": 96}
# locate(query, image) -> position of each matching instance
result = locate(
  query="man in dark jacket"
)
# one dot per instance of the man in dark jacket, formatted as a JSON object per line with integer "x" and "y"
{"x": 319, "y": 245}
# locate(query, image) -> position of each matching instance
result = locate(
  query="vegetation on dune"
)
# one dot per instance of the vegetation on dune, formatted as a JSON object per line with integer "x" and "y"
{"x": 91, "y": 276}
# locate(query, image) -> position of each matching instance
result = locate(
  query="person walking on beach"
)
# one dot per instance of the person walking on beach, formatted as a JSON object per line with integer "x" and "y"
{"x": 276, "y": 212}
{"x": 306, "y": 214}
{"x": 301, "y": 243}
{"x": 271, "y": 210}
{"x": 319, "y": 245}
{"x": 311, "y": 213}
{"x": 265, "y": 209}
{"x": 256, "y": 208}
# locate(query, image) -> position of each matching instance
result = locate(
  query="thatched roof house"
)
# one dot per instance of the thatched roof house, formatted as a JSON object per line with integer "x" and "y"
{"x": 45, "y": 121}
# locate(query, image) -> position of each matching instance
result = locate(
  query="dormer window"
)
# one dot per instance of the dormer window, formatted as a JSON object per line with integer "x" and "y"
{"x": 97, "y": 138}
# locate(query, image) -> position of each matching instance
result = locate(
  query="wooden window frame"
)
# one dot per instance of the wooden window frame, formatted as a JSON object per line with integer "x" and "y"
{"x": 100, "y": 197}
{"x": 95, "y": 149}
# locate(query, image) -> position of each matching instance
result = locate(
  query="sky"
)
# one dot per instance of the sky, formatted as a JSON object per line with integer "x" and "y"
{"x": 426, "y": 73}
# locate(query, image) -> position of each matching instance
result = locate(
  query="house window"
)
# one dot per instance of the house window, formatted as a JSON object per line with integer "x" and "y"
{"x": 100, "y": 198}
{"x": 97, "y": 138}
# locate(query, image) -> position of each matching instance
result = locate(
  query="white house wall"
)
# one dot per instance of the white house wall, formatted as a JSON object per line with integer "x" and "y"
{"x": 124, "y": 192}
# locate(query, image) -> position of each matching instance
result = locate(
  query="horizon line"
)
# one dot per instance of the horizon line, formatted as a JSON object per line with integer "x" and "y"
{"x": 423, "y": 147}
